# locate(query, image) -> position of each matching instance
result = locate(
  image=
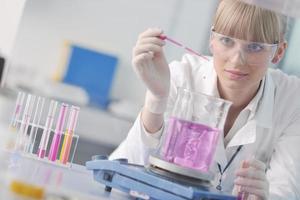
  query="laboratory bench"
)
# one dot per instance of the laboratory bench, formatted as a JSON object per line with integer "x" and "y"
{"x": 24, "y": 177}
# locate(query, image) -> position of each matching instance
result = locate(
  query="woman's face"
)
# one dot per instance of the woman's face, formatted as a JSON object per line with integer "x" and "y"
{"x": 240, "y": 64}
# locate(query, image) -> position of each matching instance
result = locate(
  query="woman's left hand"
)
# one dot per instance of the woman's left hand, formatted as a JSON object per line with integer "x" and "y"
{"x": 251, "y": 178}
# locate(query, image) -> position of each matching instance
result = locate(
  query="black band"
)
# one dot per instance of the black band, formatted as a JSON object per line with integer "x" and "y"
{"x": 219, "y": 187}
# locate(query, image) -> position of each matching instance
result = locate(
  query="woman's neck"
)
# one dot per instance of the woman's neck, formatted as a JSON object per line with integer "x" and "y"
{"x": 240, "y": 98}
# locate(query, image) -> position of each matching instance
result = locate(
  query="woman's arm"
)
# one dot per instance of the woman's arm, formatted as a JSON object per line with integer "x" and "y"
{"x": 284, "y": 173}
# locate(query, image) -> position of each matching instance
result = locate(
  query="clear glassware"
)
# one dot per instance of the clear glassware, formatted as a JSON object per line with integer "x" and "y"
{"x": 194, "y": 126}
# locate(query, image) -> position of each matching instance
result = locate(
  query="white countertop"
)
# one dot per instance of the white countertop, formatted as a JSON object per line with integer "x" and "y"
{"x": 73, "y": 183}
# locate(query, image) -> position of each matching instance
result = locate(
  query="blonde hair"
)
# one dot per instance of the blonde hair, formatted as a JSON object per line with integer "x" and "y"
{"x": 249, "y": 22}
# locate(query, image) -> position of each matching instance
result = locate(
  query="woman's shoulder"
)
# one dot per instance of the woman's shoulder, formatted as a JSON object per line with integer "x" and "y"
{"x": 284, "y": 81}
{"x": 287, "y": 90}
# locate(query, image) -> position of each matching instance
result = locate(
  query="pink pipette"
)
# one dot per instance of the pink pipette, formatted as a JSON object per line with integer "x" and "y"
{"x": 164, "y": 37}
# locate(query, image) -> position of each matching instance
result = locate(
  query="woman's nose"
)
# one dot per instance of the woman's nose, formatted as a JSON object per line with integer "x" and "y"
{"x": 238, "y": 57}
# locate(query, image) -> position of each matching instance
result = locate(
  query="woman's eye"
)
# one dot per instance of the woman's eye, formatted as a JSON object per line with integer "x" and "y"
{"x": 254, "y": 47}
{"x": 227, "y": 41}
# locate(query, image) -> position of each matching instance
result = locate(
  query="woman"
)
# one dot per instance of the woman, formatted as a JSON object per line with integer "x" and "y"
{"x": 262, "y": 129}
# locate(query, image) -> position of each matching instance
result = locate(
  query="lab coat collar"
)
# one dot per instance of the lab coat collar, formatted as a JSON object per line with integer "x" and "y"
{"x": 252, "y": 106}
{"x": 262, "y": 118}
{"x": 246, "y": 135}
{"x": 220, "y": 154}
{"x": 262, "y": 106}
{"x": 264, "y": 110}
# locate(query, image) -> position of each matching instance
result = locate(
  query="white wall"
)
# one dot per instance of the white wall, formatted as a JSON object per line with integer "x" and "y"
{"x": 106, "y": 25}
{"x": 10, "y": 14}
{"x": 291, "y": 63}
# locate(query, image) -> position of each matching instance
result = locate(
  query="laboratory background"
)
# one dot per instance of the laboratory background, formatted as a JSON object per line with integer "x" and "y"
{"x": 79, "y": 52}
{"x": 37, "y": 44}
{"x": 46, "y": 33}
{"x": 38, "y": 40}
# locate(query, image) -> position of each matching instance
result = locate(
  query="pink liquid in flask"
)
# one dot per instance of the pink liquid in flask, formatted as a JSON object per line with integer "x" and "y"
{"x": 190, "y": 144}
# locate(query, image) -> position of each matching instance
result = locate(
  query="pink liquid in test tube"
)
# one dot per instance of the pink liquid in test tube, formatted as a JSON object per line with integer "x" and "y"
{"x": 58, "y": 131}
{"x": 18, "y": 109}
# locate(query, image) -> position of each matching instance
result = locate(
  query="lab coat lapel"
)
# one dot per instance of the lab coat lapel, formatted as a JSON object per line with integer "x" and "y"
{"x": 263, "y": 117}
{"x": 265, "y": 110}
{"x": 246, "y": 135}
{"x": 220, "y": 154}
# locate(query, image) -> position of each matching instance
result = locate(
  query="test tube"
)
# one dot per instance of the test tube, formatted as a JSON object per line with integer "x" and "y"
{"x": 18, "y": 110}
{"x": 47, "y": 129}
{"x": 242, "y": 195}
{"x": 35, "y": 123}
{"x": 58, "y": 132}
{"x": 72, "y": 121}
{"x": 25, "y": 121}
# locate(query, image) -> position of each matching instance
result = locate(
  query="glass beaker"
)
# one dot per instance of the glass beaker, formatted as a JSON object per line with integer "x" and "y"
{"x": 195, "y": 124}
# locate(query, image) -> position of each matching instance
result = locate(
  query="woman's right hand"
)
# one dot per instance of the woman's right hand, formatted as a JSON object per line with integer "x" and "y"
{"x": 150, "y": 64}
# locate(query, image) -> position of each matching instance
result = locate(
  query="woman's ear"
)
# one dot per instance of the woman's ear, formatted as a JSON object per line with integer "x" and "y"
{"x": 280, "y": 52}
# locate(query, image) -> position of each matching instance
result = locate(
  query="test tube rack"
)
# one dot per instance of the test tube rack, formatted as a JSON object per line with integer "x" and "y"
{"x": 32, "y": 122}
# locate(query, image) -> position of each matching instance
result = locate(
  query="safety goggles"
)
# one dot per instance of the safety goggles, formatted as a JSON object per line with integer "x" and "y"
{"x": 251, "y": 53}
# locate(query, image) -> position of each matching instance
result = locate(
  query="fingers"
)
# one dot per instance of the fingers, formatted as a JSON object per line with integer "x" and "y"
{"x": 142, "y": 58}
{"x": 253, "y": 183}
{"x": 151, "y": 36}
{"x": 145, "y": 48}
{"x": 151, "y": 32}
{"x": 251, "y": 178}
{"x": 252, "y": 168}
{"x": 149, "y": 41}
{"x": 251, "y": 173}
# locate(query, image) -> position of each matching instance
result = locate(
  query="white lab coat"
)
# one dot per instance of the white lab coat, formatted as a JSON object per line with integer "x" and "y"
{"x": 271, "y": 134}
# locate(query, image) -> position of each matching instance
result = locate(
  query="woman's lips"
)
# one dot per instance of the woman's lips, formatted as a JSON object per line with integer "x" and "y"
{"x": 236, "y": 75}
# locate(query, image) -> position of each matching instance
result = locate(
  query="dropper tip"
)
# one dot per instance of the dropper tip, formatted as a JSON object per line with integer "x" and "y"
{"x": 163, "y": 37}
